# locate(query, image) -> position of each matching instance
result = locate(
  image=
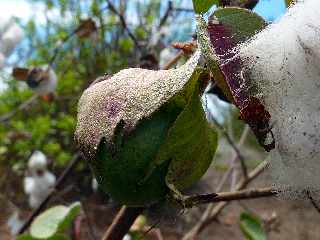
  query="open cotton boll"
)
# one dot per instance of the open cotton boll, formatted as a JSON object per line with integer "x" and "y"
{"x": 10, "y": 38}
{"x": 282, "y": 69}
{"x": 42, "y": 80}
{"x": 37, "y": 186}
{"x": 38, "y": 160}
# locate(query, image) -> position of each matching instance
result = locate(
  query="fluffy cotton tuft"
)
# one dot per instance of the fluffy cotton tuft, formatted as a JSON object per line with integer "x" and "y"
{"x": 38, "y": 185}
{"x": 282, "y": 68}
{"x": 10, "y": 39}
{"x": 49, "y": 84}
{"x": 37, "y": 161}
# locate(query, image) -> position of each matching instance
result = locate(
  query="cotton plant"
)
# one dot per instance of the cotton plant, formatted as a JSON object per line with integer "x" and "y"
{"x": 39, "y": 182}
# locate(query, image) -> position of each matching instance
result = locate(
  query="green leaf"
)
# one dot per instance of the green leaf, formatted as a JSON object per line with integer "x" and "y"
{"x": 54, "y": 220}
{"x": 251, "y": 227}
{"x": 202, "y": 6}
{"x": 190, "y": 145}
{"x": 241, "y": 23}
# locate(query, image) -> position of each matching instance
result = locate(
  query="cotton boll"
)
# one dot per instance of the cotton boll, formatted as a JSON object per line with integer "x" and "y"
{"x": 37, "y": 161}
{"x": 282, "y": 68}
{"x": 127, "y": 237}
{"x": 40, "y": 181}
{"x": 10, "y": 38}
{"x": 42, "y": 80}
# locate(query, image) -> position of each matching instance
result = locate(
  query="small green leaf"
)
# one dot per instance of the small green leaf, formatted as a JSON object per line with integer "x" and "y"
{"x": 54, "y": 220}
{"x": 251, "y": 227}
{"x": 241, "y": 22}
{"x": 190, "y": 132}
{"x": 202, "y": 6}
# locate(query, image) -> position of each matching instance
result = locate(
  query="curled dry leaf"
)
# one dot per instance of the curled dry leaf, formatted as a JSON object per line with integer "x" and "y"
{"x": 218, "y": 40}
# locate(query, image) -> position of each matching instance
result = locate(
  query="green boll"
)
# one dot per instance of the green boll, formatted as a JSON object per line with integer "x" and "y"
{"x": 145, "y": 133}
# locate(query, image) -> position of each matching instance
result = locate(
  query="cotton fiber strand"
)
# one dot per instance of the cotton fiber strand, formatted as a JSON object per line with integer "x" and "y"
{"x": 282, "y": 68}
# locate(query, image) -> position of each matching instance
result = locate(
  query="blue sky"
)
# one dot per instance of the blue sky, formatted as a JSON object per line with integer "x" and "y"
{"x": 269, "y": 9}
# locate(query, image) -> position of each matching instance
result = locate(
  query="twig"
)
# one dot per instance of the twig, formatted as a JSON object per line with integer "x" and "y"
{"x": 234, "y": 146}
{"x": 174, "y": 60}
{"x": 122, "y": 222}
{"x": 22, "y": 106}
{"x": 241, "y": 185}
{"x": 209, "y": 217}
{"x": 123, "y": 22}
{"x": 166, "y": 14}
{"x": 236, "y": 161}
{"x": 188, "y": 10}
{"x": 241, "y": 195}
{"x": 61, "y": 179}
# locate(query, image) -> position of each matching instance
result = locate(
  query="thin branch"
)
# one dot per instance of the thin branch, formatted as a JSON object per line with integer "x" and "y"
{"x": 207, "y": 219}
{"x": 174, "y": 60}
{"x": 122, "y": 222}
{"x": 234, "y": 146}
{"x": 241, "y": 195}
{"x": 188, "y": 10}
{"x": 241, "y": 185}
{"x": 166, "y": 15}
{"x": 123, "y": 22}
{"x": 75, "y": 160}
{"x": 21, "y": 107}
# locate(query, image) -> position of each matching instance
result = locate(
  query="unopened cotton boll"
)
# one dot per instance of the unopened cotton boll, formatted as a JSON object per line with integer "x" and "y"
{"x": 282, "y": 67}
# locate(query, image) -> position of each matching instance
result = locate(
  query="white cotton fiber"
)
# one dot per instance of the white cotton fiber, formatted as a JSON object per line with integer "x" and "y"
{"x": 282, "y": 66}
{"x": 10, "y": 38}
